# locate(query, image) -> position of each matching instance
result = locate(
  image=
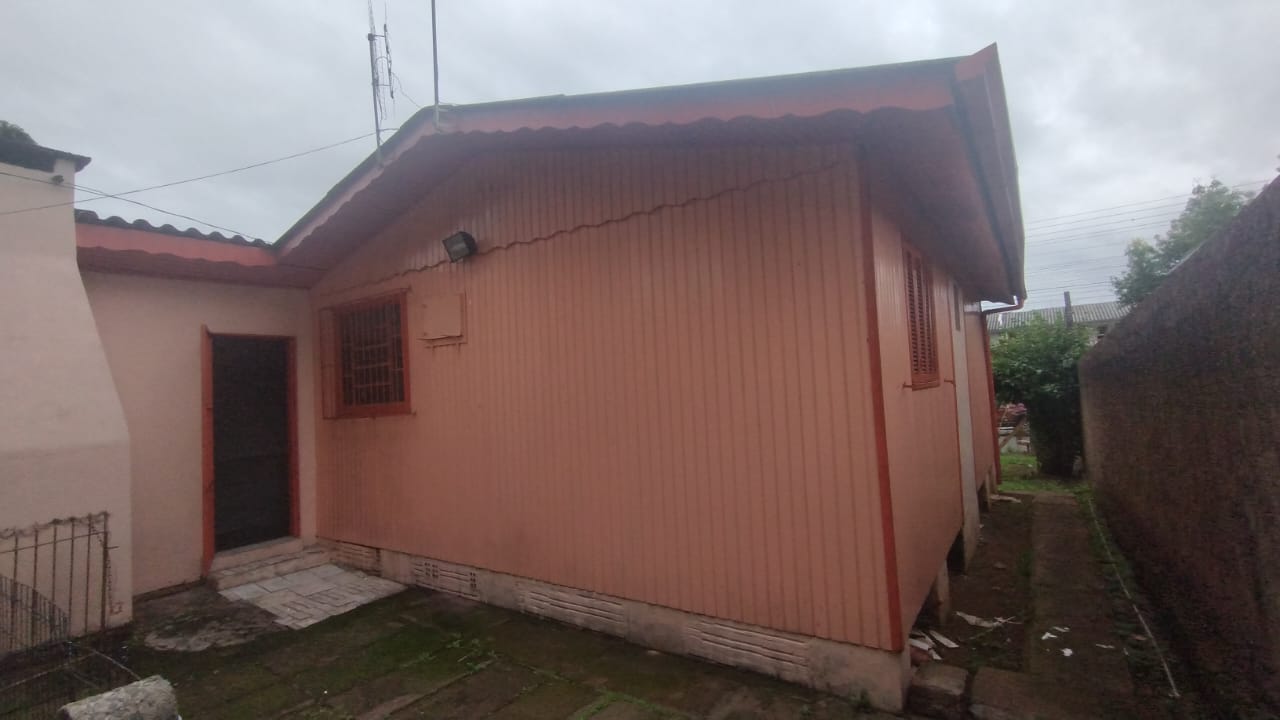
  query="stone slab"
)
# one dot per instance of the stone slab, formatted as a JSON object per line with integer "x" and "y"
{"x": 939, "y": 691}
{"x": 305, "y": 597}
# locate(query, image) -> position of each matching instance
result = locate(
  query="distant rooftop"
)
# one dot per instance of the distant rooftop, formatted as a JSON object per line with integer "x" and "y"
{"x": 36, "y": 157}
{"x": 1102, "y": 313}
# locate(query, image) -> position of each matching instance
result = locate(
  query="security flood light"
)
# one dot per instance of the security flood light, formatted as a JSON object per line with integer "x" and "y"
{"x": 459, "y": 245}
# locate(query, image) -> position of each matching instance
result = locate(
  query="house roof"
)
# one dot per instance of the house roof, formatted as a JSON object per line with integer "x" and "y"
{"x": 113, "y": 244}
{"x": 938, "y": 128}
{"x": 37, "y": 157}
{"x": 88, "y": 217}
{"x": 1085, "y": 314}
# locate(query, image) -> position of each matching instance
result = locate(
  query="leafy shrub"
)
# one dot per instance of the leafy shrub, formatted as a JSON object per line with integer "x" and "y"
{"x": 1036, "y": 365}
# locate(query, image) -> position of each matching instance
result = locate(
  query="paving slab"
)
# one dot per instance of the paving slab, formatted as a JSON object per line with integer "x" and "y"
{"x": 624, "y": 710}
{"x": 478, "y": 695}
{"x": 1004, "y": 695}
{"x": 305, "y": 597}
{"x": 425, "y": 654}
{"x": 555, "y": 699}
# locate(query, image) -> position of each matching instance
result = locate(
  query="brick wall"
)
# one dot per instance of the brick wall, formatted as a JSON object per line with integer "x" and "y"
{"x": 1182, "y": 432}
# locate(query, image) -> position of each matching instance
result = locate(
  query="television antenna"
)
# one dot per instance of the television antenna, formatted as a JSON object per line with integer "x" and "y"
{"x": 380, "y": 79}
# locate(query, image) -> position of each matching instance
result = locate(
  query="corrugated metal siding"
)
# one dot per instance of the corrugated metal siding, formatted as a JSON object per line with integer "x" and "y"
{"x": 667, "y": 401}
{"x": 924, "y": 455}
{"x": 982, "y": 404}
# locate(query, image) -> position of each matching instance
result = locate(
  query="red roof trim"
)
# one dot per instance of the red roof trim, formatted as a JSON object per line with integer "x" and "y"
{"x": 152, "y": 251}
{"x": 924, "y": 85}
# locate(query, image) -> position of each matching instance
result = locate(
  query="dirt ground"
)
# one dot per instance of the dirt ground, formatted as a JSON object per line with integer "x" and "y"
{"x": 424, "y": 654}
{"x": 995, "y": 585}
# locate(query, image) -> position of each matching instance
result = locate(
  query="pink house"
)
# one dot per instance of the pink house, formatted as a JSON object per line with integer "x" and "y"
{"x": 700, "y": 366}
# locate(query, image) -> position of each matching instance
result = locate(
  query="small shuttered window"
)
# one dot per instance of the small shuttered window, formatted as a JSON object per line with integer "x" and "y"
{"x": 921, "y": 322}
{"x": 366, "y": 349}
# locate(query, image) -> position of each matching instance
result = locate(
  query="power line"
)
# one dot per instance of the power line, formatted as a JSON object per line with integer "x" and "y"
{"x": 106, "y": 195}
{"x": 1105, "y": 225}
{"x": 1095, "y": 233}
{"x": 1127, "y": 213}
{"x": 128, "y": 200}
{"x": 1133, "y": 204}
{"x": 1115, "y": 264}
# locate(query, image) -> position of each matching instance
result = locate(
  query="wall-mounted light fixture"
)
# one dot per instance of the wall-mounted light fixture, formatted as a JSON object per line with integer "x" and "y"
{"x": 459, "y": 245}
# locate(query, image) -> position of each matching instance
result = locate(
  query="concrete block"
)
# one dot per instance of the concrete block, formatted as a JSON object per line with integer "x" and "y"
{"x": 657, "y": 627}
{"x": 854, "y": 671}
{"x": 149, "y": 699}
{"x": 938, "y": 691}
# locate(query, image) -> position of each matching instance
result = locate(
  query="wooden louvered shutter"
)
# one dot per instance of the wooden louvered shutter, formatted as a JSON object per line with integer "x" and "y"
{"x": 921, "y": 322}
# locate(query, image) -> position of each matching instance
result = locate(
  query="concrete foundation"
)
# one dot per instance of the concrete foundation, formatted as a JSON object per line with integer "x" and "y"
{"x": 840, "y": 668}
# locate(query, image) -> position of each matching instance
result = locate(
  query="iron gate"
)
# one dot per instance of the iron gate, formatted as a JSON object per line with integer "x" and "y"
{"x": 55, "y": 585}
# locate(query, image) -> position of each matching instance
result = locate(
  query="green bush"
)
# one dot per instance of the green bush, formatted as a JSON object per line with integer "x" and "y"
{"x": 1036, "y": 366}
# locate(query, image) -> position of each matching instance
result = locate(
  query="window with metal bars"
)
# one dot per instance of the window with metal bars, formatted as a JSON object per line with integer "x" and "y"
{"x": 369, "y": 345}
{"x": 921, "y": 324}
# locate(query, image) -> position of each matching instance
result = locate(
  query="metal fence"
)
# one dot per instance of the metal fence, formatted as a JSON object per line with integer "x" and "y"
{"x": 55, "y": 585}
{"x": 55, "y": 581}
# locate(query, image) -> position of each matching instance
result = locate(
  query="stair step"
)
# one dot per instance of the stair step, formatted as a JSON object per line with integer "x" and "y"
{"x": 276, "y": 566}
{"x": 258, "y": 551}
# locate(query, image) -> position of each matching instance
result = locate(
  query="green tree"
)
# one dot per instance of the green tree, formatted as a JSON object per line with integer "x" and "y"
{"x": 9, "y": 131}
{"x": 1208, "y": 211}
{"x": 1036, "y": 366}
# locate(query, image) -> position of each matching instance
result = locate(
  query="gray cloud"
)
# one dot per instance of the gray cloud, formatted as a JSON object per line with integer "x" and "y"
{"x": 1112, "y": 103}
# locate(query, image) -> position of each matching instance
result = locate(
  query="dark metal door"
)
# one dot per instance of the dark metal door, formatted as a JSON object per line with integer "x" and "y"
{"x": 251, "y": 452}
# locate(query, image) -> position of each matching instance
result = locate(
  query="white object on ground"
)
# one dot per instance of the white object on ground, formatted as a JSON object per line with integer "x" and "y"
{"x": 150, "y": 699}
{"x": 1048, "y": 636}
{"x": 1004, "y": 498}
{"x": 975, "y": 620}
{"x": 946, "y": 641}
{"x": 922, "y": 644}
{"x": 1067, "y": 652}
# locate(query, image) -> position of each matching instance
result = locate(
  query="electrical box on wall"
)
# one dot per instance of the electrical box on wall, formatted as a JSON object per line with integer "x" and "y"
{"x": 444, "y": 319}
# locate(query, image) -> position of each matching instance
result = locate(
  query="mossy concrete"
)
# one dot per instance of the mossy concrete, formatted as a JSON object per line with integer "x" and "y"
{"x": 423, "y": 654}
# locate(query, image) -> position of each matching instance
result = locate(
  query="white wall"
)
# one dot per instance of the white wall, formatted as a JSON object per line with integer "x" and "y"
{"x": 64, "y": 444}
{"x": 150, "y": 328}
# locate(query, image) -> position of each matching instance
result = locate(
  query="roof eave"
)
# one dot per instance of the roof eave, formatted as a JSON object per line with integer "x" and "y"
{"x": 920, "y": 85}
{"x": 978, "y": 90}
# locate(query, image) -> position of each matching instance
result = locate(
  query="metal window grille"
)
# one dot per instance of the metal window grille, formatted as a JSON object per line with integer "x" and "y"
{"x": 921, "y": 324}
{"x": 371, "y": 354}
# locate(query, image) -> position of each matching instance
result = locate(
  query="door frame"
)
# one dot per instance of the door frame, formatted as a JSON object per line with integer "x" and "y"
{"x": 207, "y": 438}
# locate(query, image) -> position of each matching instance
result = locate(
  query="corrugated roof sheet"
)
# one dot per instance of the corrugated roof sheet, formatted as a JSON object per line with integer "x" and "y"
{"x": 92, "y": 218}
{"x": 1085, "y": 314}
{"x": 904, "y": 115}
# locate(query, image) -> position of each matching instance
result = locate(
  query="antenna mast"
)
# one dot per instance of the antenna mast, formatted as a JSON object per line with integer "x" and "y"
{"x": 435, "y": 69}
{"x": 375, "y": 74}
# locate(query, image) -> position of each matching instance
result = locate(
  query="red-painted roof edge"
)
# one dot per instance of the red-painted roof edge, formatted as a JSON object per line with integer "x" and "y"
{"x": 921, "y": 84}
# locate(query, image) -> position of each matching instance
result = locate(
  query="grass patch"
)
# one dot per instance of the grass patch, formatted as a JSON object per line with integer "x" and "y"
{"x": 1019, "y": 474}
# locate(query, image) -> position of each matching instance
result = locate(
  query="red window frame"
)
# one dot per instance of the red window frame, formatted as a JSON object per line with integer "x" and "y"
{"x": 363, "y": 383}
{"x": 922, "y": 326}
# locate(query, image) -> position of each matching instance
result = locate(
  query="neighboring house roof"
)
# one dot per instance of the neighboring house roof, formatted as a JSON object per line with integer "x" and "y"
{"x": 113, "y": 244}
{"x": 1102, "y": 313}
{"x": 37, "y": 157}
{"x": 939, "y": 129}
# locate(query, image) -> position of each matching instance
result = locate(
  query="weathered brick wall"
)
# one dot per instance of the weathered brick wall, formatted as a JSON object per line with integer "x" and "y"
{"x": 1182, "y": 433}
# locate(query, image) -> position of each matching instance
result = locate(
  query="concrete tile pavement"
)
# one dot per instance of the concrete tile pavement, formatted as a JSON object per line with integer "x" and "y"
{"x": 303, "y": 598}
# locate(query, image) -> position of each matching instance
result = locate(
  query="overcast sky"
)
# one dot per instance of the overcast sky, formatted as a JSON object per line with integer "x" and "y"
{"x": 1113, "y": 104}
